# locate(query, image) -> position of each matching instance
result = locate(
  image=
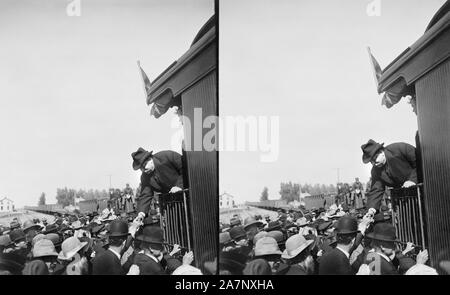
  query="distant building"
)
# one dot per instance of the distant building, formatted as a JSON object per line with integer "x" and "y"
{"x": 226, "y": 201}
{"x": 6, "y": 205}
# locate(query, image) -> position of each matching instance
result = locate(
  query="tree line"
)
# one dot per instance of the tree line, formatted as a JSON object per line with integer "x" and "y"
{"x": 66, "y": 196}
{"x": 291, "y": 191}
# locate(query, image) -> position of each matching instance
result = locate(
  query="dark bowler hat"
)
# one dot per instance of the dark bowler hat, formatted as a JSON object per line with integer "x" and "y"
{"x": 151, "y": 234}
{"x": 273, "y": 225}
{"x": 370, "y": 149}
{"x": 347, "y": 225}
{"x": 237, "y": 233}
{"x": 118, "y": 228}
{"x": 235, "y": 221}
{"x": 249, "y": 221}
{"x": 383, "y": 232}
{"x": 140, "y": 157}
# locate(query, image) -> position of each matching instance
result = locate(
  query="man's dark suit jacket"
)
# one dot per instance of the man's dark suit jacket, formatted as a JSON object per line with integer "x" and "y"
{"x": 400, "y": 166}
{"x": 106, "y": 263}
{"x": 335, "y": 262}
{"x": 167, "y": 174}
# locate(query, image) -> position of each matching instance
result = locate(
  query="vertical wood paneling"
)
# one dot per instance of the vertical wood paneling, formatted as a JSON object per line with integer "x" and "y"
{"x": 433, "y": 102}
{"x": 202, "y": 171}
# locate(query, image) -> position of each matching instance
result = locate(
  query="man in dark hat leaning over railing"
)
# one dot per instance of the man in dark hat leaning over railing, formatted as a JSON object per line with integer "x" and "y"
{"x": 393, "y": 166}
{"x": 161, "y": 172}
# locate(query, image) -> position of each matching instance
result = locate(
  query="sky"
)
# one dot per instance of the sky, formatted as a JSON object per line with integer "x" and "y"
{"x": 72, "y": 102}
{"x": 307, "y": 62}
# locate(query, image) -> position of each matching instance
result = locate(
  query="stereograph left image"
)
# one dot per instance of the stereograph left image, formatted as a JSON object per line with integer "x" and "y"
{"x": 105, "y": 168}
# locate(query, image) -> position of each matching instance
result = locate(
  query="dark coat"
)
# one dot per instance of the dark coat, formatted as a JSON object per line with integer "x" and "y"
{"x": 295, "y": 270}
{"x": 106, "y": 263}
{"x": 334, "y": 262}
{"x": 400, "y": 166}
{"x": 167, "y": 174}
{"x": 148, "y": 266}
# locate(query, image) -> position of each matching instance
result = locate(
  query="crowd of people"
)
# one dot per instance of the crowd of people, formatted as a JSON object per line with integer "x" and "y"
{"x": 336, "y": 241}
{"x": 109, "y": 243}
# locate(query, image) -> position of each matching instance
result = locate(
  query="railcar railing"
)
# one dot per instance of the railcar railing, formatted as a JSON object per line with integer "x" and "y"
{"x": 408, "y": 215}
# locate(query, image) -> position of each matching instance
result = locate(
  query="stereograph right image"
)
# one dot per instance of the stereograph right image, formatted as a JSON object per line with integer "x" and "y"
{"x": 334, "y": 141}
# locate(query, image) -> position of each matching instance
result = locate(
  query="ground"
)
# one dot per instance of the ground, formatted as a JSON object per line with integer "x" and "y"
{"x": 244, "y": 212}
{"x": 23, "y": 215}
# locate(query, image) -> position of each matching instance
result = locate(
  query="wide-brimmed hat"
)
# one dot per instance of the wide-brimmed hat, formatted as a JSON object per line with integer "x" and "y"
{"x": 295, "y": 245}
{"x": 274, "y": 225}
{"x": 14, "y": 225}
{"x": 370, "y": 149}
{"x": 258, "y": 236}
{"x": 5, "y": 241}
{"x": 235, "y": 221}
{"x": 70, "y": 247}
{"x": 118, "y": 228}
{"x": 187, "y": 269}
{"x": 237, "y": 233}
{"x": 249, "y": 221}
{"x": 267, "y": 246}
{"x": 29, "y": 224}
{"x": 258, "y": 267}
{"x": 76, "y": 225}
{"x": 17, "y": 235}
{"x": 346, "y": 225}
{"x": 140, "y": 157}
{"x": 383, "y": 232}
{"x": 277, "y": 235}
{"x": 151, "y": 234}
{"x": 302, "y": 221}
{"x": 37, "y": 238}
{"x": 44, "y": 248}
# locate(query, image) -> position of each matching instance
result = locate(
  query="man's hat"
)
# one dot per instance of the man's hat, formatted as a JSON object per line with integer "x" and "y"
{"x": 17, "y": 235}
{"x": 140, "y": 157}
{"x": 51, "y": 228}
{"x": 258, "y": 236}
{"x": 70, "y": 247}
{"x": 249, "y": 221}
{"x": 383, "y": 232}
{"x": 118, "y": 228}
{"x": 295, "y": 245}
{"x": 44, "y": 248}
{"x": 370, "y": 149}
{"x": 54, "y": 238}
{"x": 29, "y": 224}
{"x": 235, "y": 221}
{"x": 5, "y": 241}
{"x": 267, "y": 246}
{"x": 151, "y": 234}
{"x": 347, "y": 225}
{"x": 12, "y": 262}
{"x": 224, "y": 238}
{"x": 273, "y": 225}
{"x": 277, "y": 235}
{"x": 14, "y": 225}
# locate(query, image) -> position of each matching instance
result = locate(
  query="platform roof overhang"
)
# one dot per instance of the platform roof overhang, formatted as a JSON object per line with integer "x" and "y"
{"x": 179, "y": 76}
{"x": 399, "y": 76}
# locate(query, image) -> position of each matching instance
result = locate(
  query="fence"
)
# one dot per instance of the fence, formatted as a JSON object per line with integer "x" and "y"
{"x": 408, "y": 215}
{"x": 175, "y": 219}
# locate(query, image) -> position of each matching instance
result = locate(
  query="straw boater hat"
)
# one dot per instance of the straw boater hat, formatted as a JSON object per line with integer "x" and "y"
{"x": 70, "y": 247}
{"x": 295, "y": 245}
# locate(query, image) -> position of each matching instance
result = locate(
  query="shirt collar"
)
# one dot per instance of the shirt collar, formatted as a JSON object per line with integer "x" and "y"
{"x": 117, "y": 254}
{"x": 343, "y": 251}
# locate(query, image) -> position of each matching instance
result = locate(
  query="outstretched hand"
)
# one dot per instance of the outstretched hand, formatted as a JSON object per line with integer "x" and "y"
{"x": 188, "y": 258}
